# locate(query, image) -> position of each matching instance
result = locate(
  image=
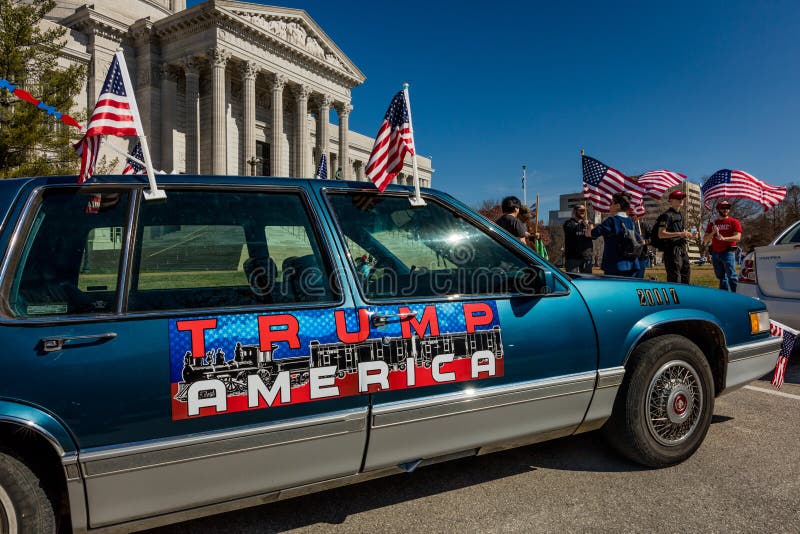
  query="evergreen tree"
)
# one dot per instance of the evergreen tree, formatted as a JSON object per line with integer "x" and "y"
{"x": 32, "y": 142}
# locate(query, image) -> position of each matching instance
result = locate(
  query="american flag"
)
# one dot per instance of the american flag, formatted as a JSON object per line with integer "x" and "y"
{"x": 322, "y": 168}
{"x": 393, "y": 141}
{"x": 131, "y": 165}
{"x": 113, "y": 113}
{"x": 728, "y": 183}
{"x": 656, "y": 182}
{"x": 789, "y": 336}
{"x": 87, "y": 148}
{"x": 600, "y": 182}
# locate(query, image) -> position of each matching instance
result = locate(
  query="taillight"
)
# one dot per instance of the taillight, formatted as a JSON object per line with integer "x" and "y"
{"x": 748, "y": 274}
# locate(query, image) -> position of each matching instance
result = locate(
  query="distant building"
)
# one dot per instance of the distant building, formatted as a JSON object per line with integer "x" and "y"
{"x": 227, "y": 87}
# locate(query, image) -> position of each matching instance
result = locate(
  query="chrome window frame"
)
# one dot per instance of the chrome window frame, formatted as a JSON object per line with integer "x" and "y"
{"x": 478, "y": 223}
{"x": 121, "y": 313}
{"x": 21, "y": 231}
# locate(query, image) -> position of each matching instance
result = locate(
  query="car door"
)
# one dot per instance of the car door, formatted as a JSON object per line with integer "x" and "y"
{"x": 778, "y": 266}
{"x": 184, "y": 376}
{"x": 472, "y": 357}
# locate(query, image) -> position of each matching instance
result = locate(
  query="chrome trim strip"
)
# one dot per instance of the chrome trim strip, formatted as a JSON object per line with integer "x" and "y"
{"x": 610, "y": 378}
{"x": 45, "y": 434}
{"x": 753, "y": 349}
{"x": 105, "y": 461}
{"x": 752, "y": 361}
{"x": 466, "y": 401}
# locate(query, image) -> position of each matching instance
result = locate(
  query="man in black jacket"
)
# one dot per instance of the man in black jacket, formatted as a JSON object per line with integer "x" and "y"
{"x": 672, "y": 233}
{"x": 577, "y": 246}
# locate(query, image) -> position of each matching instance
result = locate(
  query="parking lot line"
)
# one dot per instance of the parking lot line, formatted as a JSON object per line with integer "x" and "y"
{"x": 771, "y": 392}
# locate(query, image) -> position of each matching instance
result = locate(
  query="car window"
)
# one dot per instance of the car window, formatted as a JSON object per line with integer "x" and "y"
{"x": 69, "y": 264}
{"x": 792, "y": 236}
{"x": 207, "y": 249}
{"x": 399, "y": 251}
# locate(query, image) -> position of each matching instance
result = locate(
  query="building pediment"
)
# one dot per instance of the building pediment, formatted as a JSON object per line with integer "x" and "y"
{"x": 290, "y": 29}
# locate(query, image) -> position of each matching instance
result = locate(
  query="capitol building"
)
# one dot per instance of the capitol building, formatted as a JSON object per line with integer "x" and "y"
{"x": 227, "y": 87}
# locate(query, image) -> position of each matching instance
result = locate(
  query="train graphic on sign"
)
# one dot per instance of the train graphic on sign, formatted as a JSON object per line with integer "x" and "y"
{"x": 395, "y": 351}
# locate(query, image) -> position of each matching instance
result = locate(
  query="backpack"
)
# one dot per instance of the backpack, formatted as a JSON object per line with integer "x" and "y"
{"x": 631, "y": 244}
{"x": 660, "y": 244}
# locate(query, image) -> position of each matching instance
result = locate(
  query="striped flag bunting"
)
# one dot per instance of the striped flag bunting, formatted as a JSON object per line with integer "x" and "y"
{"x": 727, "y": 183}
{"x": 656, "y": 183}
{"x": 789, "y": 336}
{"x": 600, "y": 182}
{"x": 393, "y": 142}
{"x": 27, "y": 97}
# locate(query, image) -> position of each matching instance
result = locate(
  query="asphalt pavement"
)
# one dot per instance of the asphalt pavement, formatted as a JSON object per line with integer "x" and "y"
{"x": 744, "y": 478}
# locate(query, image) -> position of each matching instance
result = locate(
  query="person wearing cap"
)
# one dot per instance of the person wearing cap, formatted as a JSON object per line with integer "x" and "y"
{"x": 724, "y": 233}
{"x": 672, "y": 233}
{"x": 509, "y": 221}
{"x": 577, "y": 246}
{"x": 612, "y": 230}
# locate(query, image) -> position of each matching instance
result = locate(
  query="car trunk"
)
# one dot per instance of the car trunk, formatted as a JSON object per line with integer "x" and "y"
{"x": 778, "y": 270}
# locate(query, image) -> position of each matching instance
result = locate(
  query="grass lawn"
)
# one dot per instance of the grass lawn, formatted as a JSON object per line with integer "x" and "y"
{"x": 701, "y": 275}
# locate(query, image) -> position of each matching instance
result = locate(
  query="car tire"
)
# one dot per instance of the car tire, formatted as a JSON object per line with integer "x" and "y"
{"x": 24, "y": 506}
{"x": 663, "y": 409}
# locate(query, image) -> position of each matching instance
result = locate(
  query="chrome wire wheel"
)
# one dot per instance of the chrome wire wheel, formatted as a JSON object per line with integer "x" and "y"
{"x": 8, "y": 517}
{"x": 674, "y": 403}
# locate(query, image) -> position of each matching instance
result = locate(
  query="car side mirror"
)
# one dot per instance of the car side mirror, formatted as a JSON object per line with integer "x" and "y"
{"x": 536, "y": 281}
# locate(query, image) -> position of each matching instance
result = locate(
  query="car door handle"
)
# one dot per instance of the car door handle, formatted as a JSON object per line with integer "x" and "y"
{"x": 54, "y": 343}
{"x": 384, "y": 319}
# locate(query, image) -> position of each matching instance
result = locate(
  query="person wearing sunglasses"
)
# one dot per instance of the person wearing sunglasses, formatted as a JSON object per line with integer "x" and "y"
{"x": 724, "y": 233}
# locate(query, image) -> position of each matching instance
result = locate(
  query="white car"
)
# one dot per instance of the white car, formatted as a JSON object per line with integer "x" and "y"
{"x": 772, "y": 274}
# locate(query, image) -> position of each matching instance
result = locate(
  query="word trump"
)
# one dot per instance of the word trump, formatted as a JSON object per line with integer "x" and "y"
{"x": 311, "y": 355}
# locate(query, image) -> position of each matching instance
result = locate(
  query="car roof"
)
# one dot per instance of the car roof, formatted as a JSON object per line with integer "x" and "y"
{"x": 187, "y": 179}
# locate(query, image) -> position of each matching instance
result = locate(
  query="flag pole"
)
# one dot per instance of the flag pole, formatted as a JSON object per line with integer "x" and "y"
{"x": 416, "y": 200}
{"x": 154, "y": 192}
{"x": 524, "y": 187}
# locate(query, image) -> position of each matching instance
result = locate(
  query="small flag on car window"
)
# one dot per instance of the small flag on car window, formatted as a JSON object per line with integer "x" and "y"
{"x": 322, "y": 168}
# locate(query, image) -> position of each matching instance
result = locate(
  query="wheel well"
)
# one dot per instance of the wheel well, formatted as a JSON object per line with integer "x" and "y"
{"x": 35, "y": 451}
{"x": 707, "y": 336}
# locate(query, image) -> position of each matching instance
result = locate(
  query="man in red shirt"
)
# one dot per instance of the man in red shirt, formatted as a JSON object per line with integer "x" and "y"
{"x": 724, "y": 233}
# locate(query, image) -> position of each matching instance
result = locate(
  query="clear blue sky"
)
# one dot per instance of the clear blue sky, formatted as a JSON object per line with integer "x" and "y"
{"x": 689, "y": 86}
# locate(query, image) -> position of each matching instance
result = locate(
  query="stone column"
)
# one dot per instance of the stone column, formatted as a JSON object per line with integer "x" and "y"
{"x": 192, "y": 69}
{"x": 344, "y": 147}
{"x": 168, "y": 96}
{"x": 323, "y": 128}
{"x": 249, "y": 72}
{"x": 219, "y": 140}
{"x": 276, "y": 148}
{"x": 301, "y": 94}
{"x": 146, "y": 79}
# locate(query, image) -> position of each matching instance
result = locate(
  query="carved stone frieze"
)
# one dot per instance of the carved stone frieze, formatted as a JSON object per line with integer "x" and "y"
{"x": 294, "y": 32}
